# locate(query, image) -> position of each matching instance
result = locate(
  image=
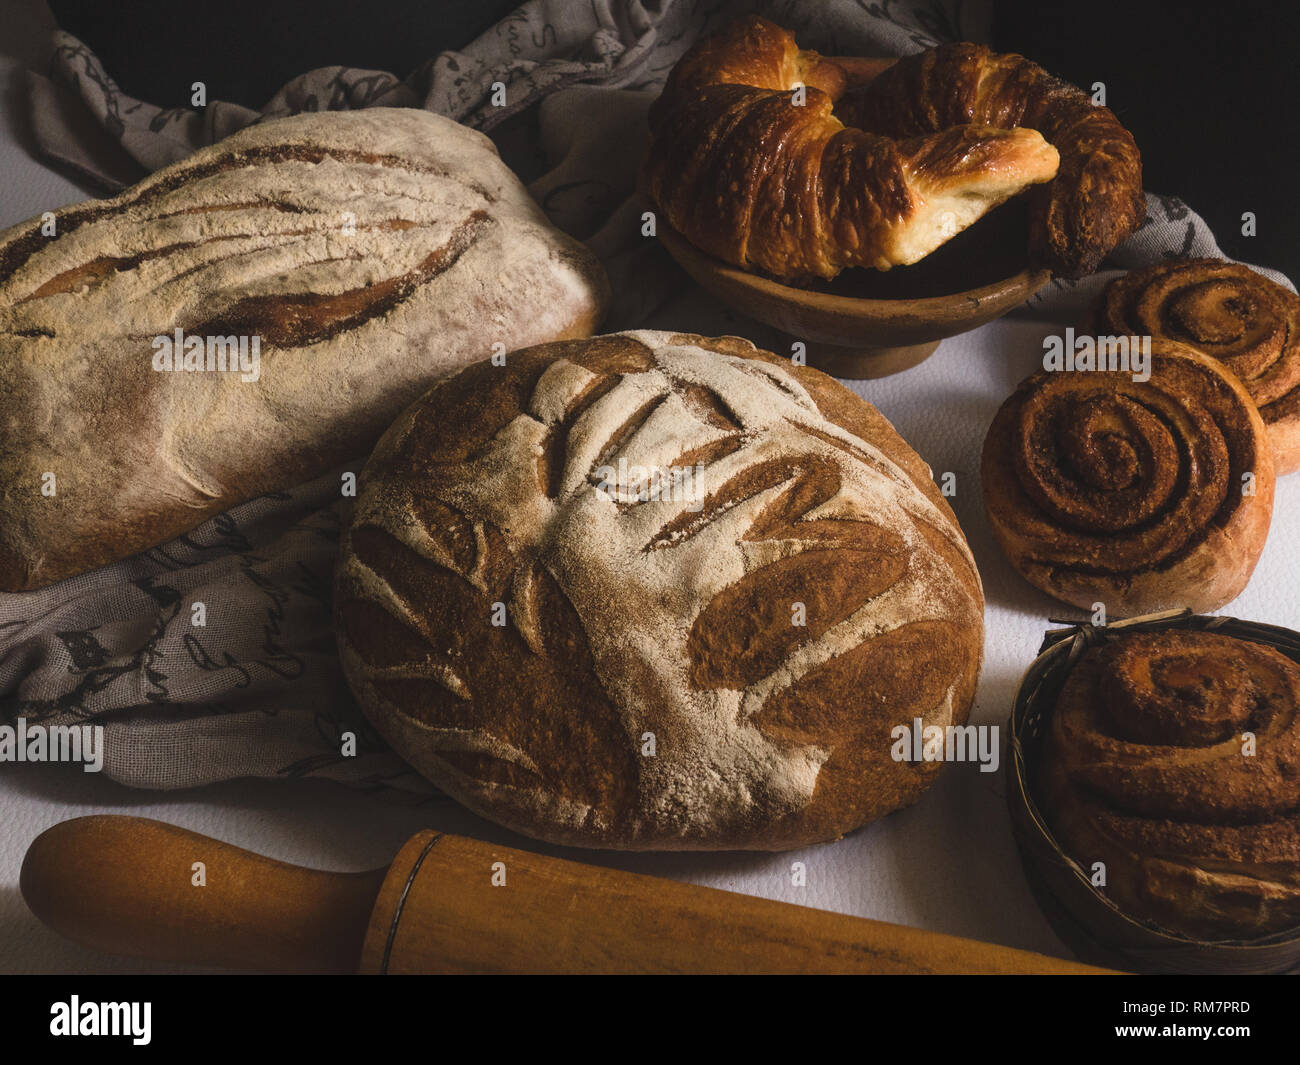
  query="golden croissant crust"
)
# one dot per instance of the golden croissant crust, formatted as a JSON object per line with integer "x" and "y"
{"x": 1174, "y": 759}
{"x": 879, "y": 175}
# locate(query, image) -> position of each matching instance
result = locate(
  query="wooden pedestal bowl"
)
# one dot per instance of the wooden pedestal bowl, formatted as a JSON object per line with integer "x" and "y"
{"x": 869, "y": 323}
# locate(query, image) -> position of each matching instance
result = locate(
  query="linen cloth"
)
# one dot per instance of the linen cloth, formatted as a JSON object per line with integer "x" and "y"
{"x": 258, "y": 690}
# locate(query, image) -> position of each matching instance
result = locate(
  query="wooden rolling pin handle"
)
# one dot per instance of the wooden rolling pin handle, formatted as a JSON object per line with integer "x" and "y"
{"x": 127, "y": 885}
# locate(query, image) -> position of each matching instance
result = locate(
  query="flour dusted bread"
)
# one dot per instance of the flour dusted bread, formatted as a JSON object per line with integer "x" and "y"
{"x": 593, "y": 656}
{"x": 366, "y": 253}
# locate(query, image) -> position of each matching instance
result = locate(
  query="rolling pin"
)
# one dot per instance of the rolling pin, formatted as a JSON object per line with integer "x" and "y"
{"x": 447, "y": 904}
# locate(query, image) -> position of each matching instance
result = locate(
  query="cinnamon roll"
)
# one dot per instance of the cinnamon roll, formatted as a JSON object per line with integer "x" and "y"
{"x": 1173, "y": 758}
{"x": 1231, "y": 313}
{"x": 1140, "y": 495}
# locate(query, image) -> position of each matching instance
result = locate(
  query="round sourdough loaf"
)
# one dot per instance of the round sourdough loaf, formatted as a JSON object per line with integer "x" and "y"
{"x": 657, "y": 591}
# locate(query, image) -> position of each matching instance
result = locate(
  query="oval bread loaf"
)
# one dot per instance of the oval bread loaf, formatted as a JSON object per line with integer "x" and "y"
{"x": 657, "y": 591}
{"x": 363, "y": 254}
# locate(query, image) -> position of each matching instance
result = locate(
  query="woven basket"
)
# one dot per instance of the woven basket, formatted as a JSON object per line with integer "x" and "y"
{"x": 1081, "y": 915}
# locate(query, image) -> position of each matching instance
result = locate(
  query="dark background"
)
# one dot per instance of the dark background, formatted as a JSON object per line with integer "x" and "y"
{"x": 1210, "y": 91}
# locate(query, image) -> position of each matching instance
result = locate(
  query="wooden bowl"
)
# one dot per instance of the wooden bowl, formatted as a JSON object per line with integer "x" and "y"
{"x": 869, "y": 323}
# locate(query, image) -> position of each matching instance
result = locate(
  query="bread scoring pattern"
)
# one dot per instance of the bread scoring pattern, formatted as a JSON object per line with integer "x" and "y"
{"x": 368, "y": 253}
{"x": 628, "y": 616}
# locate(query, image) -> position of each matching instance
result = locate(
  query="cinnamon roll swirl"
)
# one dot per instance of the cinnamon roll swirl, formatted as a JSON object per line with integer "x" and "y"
{"x": 1231, "y": 313}
{"x": 1140, "y": 495}
{"x": 1173, "y": 758}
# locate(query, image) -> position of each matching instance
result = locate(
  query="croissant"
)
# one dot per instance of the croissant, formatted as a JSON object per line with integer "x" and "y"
{"x": 803, "y": 184}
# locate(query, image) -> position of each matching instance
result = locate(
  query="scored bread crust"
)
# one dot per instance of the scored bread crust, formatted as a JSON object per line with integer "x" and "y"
{"x": 626, "y": 622}
{"x": 371, "y": 252}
